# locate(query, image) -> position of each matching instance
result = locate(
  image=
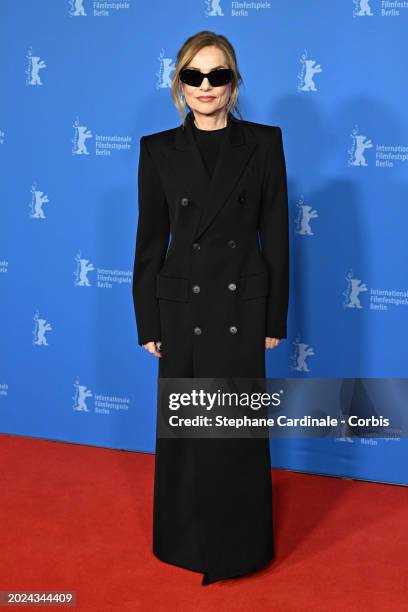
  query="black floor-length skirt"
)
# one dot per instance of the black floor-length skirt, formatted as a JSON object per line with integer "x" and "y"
{"x": 212, "y": 496}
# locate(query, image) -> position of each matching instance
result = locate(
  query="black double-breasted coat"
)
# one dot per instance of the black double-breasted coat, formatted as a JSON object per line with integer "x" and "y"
{"x": 211, "y": 281}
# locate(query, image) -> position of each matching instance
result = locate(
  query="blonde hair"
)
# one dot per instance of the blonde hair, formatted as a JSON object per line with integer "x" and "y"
{"x": 192, "y": 45}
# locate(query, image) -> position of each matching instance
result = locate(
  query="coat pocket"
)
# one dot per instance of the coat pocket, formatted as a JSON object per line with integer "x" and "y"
{"x": 253, "y": 286}
{"x": 172, "y": 288}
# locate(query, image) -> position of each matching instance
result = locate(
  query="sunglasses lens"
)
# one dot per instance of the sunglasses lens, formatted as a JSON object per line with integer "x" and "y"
{"x": 216, "y": 77}
{"x": 220, "y": 77}
{"x": 191, "y": 77}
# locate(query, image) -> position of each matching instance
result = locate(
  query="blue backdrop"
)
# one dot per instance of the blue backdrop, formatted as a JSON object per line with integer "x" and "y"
{"x": 81, "y": 82}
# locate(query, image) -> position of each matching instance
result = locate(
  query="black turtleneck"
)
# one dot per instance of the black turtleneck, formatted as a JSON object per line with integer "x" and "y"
{"x": 208, "y": 142}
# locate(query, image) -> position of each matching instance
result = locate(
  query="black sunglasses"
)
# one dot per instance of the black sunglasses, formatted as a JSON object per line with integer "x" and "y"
{"x": 220, "y": 76}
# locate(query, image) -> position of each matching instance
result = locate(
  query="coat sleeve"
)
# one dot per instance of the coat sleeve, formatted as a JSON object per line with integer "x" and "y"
{"x": 274, "y": 236}
{"x": 152, "y": 238}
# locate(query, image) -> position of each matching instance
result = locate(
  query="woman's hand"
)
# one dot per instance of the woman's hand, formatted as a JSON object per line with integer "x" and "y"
{"x": 151, "y": 347}
{"x": 270, "y": 343}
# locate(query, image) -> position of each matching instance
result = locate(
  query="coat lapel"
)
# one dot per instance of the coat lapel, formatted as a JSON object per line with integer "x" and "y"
{"x": 234, "y": 154}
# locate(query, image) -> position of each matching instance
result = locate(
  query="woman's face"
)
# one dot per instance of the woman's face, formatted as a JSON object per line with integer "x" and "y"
{"x": 207, "y": 99}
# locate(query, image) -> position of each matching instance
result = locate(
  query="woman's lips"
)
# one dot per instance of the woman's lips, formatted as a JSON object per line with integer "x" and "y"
{"x": 205, "y": 98}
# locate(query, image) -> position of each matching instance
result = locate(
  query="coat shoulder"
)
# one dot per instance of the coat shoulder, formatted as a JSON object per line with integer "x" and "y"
{"x": 263, "y": 132}
{"x": 259, "y": 126}
{"x": 160, "y": 137}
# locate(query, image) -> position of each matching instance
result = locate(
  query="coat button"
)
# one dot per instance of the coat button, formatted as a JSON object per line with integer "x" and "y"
{"x": 184, "y": 201}
{"x": 196, "y": 246}
{"x": 232, "y": 244}
{"x": 232, "y": 286}
{"x": 197, "y": 331}
{"x": 242, "y": 198}
{"x": 233, "y": 329}
{"x": 196, "y": 288}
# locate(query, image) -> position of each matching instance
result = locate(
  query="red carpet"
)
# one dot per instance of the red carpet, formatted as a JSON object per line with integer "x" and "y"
{"x": 79, "y": 518}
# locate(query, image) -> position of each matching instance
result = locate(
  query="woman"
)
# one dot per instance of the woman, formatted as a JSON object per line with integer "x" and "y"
{"x": 208, "y": 304}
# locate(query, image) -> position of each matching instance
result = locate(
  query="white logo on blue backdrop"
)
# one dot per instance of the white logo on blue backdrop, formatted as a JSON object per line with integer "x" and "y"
{"x": 83, "y": 267}
{"x": 301, "y": 352}
{"x": 106, "y": 278}
{"x": 41, "y": 327}
{"x": 362, "y": 8}
{"x": 381, "y": 299}
{"x": 166, "y": 67}
{"x": 213, "y": 8}
{"x": 355, "y": 286}
{"x": 3, "y": 389}
{"x": 77, "y": 8}
{"x": 103, "y": 404}
{"x": 81, "y": 395}
{"x": 81, "y": 135}
{"x": 308, "y": 69}
{"x": 35, "y": 64}
{"x": 100, "y": 9}
{"x": 104, "y": 144}
{"x": 385, "y": 155}
{"x": 359, "y": 144}
{"x": 38, "y": 199}
{"x": 305, "y": 214}
{"x": 386, "y": 8}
